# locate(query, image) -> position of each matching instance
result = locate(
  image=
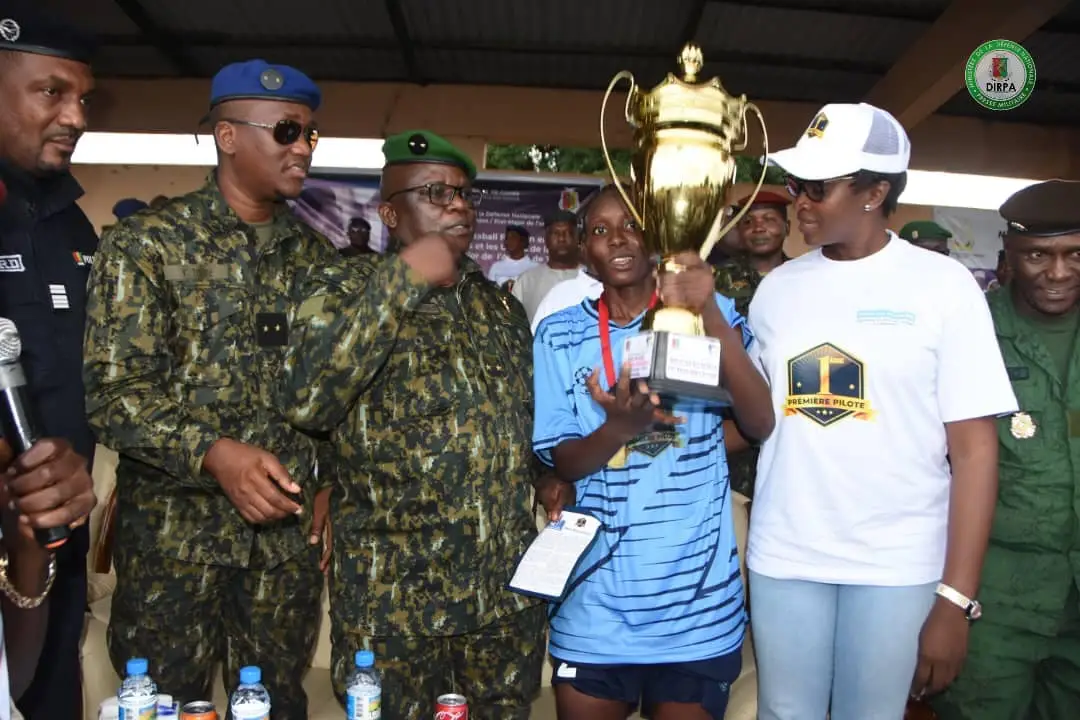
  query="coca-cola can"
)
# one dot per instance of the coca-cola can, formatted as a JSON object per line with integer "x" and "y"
{"x": 451, "y": 707}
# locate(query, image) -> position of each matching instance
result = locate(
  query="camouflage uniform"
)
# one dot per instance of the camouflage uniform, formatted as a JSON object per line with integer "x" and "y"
{"x": 185, "y": 344}
{"x": 737, "y": 279}
{"x": 428, "y": 392}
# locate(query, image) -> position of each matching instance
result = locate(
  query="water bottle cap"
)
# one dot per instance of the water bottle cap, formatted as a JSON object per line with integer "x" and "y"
{"x": 250, "y": 675}
{"x": 365, "y": 658}
{"x": 137, "y": 666}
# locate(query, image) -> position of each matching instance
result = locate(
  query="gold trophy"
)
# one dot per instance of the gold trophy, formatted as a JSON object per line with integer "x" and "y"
{"x": 685, "y": 135}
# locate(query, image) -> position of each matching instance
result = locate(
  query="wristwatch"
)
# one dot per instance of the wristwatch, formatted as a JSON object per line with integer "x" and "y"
{"x": 972, "y": 608}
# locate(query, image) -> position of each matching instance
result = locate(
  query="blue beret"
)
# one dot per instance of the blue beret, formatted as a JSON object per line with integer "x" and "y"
{"x": 128, "y": 206}
{"x": 259, "y": 80}
{"x": 24, "y": 28}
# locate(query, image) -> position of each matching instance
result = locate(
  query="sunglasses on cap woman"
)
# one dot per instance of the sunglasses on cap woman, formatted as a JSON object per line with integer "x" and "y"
{"x": 285, "y": 131}
{"x": 815, "y": 189}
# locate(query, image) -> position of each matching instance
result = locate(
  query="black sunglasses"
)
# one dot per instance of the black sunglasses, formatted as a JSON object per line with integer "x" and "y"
{"x": 285, "y": 131}
{"x": 815, "y": 189}
{"x": 442, "y": 194}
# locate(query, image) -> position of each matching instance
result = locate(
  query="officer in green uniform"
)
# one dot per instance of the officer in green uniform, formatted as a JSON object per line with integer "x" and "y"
{"x": 185, "y": 346}
{"x": 422, "y": 370}
{"x": 1024, "y": 653}
{"x": 928, "y": 235}
{"x": 762, "y": 232}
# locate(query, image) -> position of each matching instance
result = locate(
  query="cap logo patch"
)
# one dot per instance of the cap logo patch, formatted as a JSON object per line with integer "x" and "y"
{"x": 914, "y": 234}
{"x": 817, "y": 127}
{"x": 418, "y": 144}
{"x": 10, "y": 30}
{"x": 271, "y": 79}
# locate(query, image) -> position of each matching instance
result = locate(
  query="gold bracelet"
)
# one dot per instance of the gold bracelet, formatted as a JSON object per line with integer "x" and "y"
{"x": 18, "y": 599}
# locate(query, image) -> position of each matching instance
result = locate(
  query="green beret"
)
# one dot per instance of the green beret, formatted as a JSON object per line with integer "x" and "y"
{"x": 924, "y": 230}
{"x": 424, "y": 146}
{"x": 1044, "y": 209}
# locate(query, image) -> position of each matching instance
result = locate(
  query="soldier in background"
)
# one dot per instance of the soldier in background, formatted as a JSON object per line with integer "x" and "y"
{"x": 422, "y": 369}
{"x": 185, "y": 346}
{"x": 762, "y": 232}
{"x": 359, "y": 233}
{"x": 928, "y": 235}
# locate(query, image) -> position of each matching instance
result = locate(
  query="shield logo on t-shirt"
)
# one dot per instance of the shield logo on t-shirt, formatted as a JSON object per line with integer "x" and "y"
{"x": 827, "y": 385}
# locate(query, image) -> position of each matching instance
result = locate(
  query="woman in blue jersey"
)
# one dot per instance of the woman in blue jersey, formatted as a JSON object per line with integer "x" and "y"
{"x": 654, "y": 613}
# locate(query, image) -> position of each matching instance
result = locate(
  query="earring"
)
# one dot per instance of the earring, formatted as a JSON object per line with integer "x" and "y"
{"x": 867, "y": 208}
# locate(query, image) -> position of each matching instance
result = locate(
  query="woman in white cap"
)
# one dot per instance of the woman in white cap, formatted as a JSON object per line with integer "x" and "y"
{"x": 865, "y": 546}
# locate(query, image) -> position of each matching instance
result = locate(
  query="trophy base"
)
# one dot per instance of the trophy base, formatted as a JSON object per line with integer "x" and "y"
{"x": 676, "y": 366}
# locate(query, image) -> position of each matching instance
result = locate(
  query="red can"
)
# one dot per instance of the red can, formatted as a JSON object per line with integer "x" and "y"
{"x": 199, "y": 710}
{"x": 451, "y": 707}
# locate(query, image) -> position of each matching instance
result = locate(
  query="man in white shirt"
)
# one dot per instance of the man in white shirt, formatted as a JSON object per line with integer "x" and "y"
{"x": 564, "y": 256}
{"x": 515, "y": 263}
{"x": 566, "y": 294}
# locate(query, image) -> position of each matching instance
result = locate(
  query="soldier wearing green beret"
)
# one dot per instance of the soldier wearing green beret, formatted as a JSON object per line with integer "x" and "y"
{"x": 928, "y": 235}
{"x": 422, "y": 370}
{"x": 1024, "y": 653}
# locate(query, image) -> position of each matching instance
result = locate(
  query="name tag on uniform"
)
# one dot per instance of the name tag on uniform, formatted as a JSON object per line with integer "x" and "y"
{"x": 271, "y": 329}
{"x": 196, "y": 273}
{"x": 1020, "y": 372}
{"x": 59, "y": 297}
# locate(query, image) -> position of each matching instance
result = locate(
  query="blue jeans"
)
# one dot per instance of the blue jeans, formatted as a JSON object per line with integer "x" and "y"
{"x": 856, "y": 645}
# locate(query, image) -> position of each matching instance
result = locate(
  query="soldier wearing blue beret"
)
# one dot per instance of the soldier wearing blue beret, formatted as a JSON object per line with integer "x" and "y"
{"x": 222, "y": 502}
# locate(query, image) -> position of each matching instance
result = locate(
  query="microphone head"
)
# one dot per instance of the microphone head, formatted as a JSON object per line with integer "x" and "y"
{"x": 10, "y": 344}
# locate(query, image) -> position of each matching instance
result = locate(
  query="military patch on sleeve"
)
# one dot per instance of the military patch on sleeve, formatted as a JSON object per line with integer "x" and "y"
{"x": 1019, "y": 372}
{"x": 271, "y": 329}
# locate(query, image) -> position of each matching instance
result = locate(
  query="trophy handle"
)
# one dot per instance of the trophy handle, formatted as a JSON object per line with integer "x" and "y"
{"x": 622, "y": 75}
{"x": 714, "y": 234}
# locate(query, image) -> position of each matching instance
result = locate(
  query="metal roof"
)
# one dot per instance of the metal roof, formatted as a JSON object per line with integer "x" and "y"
{"x": 809, "y": 50}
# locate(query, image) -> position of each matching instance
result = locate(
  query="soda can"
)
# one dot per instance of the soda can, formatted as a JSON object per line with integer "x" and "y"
{"x": 451, "y": 707}
{"x": 199, "y": 710}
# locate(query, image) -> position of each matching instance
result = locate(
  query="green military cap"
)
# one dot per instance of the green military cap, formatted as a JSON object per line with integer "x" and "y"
{"x": 1044, "y": 209}
{"x": 918, "y": 230}
{"x": 424, "y": 146}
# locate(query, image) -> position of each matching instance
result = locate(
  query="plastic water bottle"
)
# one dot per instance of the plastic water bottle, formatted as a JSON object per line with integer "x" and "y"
{"x": 364, "y": 689}
{"x": 250, "y": 701}
{"x": 138, "y": 695}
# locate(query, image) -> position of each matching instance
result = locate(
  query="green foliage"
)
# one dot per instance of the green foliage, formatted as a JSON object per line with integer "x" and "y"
{"x": 590, "y": 161}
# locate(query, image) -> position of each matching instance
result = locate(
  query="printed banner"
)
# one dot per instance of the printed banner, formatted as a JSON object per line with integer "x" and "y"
{"x": 330, "y": 202}
{"x": 976, "y": 239}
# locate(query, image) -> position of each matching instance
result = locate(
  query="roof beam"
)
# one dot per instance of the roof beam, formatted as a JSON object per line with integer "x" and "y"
{"x": 404, "y": 42}
{"x": 165, "y": 42}
{"x": 932, "y": 69}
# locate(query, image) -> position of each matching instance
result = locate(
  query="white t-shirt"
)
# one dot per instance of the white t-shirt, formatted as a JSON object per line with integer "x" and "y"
{"x": 506, "y": 269}
{"x": 533, "y": 285}
{"x": 853, "y": 484}
{"x": 566, "y": 294}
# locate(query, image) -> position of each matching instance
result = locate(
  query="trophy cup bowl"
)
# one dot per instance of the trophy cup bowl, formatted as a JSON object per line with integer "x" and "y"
{"x": 686, "y": 134}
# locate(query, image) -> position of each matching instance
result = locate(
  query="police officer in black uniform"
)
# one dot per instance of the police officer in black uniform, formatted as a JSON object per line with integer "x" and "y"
{"x": 46, "y": 249}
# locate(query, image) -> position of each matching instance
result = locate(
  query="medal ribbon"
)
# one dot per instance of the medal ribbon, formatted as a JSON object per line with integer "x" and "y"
{"x": 605, "y": 337}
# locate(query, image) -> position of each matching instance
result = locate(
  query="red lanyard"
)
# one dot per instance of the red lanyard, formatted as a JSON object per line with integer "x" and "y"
{"x": 605, "y": 338}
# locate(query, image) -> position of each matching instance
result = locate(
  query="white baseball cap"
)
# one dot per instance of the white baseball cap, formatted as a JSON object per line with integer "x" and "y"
{"x": 845, "y": 138}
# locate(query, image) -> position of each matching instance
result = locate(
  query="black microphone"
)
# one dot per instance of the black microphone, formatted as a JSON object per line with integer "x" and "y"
{"x": 16, "y": 417}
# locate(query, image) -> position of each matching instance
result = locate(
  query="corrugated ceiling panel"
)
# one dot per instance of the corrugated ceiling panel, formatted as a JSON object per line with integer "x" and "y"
{"x": 534, "y": 70}
{"x": 549, "y": 24}
{"x": 358, "y": 64}
{"x": 133, "y": 62}
{"x": 796, "y": 84}
{"x": 1046, "y": 108}
{"x": 806, "y": 33}
{"x": 310, "y": 18}
{"x": 102, "y": 17}
{"x": 1055, "y": 57}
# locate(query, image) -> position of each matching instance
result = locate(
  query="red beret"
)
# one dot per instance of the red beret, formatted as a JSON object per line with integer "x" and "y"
{"x": 766, "y": 198}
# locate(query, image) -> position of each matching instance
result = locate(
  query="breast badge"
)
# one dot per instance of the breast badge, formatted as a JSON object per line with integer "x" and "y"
{"x": 1022, "y": 426}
